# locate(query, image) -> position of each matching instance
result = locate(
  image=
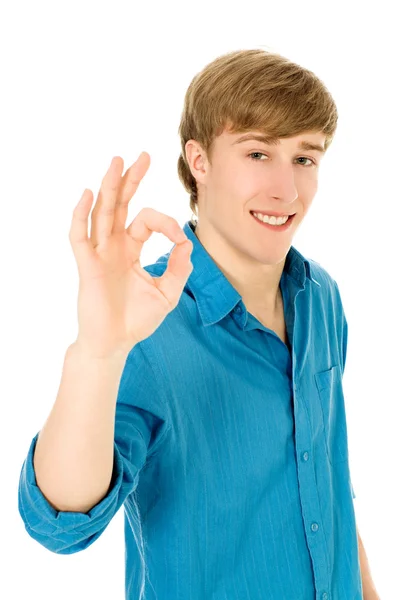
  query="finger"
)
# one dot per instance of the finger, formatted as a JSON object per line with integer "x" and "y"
{"x": 129, "y": 184}
{"x": 78, "y": 233}
{"x": 174, "y": 278}
{"x": 102, "y": 218}
{"x": 149, "y": 220}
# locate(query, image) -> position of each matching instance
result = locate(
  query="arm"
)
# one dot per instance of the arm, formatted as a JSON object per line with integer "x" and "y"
{"x": 142, "y": 419}
{"x": 369, "y": 589}
{"x": 74, "y": 454}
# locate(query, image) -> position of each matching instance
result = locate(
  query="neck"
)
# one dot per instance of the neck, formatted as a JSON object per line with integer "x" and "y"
{"x": 258, "y": 285}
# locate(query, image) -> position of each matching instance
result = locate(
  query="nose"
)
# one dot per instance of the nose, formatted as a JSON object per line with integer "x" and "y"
{"x": 283, "y": 189}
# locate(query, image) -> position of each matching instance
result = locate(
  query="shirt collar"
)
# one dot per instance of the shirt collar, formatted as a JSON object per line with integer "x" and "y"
{"x": 214, "y": 294}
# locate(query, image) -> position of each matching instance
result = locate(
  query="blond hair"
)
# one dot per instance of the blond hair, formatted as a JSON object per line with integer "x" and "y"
{"x": 249, "y": 90}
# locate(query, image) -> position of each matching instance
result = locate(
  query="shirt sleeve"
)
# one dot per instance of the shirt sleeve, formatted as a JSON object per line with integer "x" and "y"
{"x": 141, "y": 423}
{"x": 345, "y": 332}
{"x": 342, "y": 326}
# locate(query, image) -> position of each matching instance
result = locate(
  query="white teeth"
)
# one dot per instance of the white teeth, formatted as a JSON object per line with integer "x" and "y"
{"x": 270, "y": 220}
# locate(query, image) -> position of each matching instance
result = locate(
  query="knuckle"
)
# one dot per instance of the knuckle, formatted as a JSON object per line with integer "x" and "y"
{"x": 147, "y": 210}
{"x": 122, "y": 202}
{"x": 107, "y": 211}
{"x": 104, "y": 211}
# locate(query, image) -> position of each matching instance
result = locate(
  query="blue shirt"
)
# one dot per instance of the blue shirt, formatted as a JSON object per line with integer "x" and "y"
{"x": 230, "y": 456}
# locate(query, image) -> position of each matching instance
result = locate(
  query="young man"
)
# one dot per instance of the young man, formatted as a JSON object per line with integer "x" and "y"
{"x": 204, "y": 392}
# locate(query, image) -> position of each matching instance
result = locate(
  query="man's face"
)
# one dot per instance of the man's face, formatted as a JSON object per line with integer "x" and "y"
{"x": 253, "y": 176}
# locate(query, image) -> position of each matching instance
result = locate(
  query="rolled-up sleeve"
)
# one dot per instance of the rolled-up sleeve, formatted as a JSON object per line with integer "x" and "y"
{"x": 68, "y": 532}
{"x": 141, "y": 423}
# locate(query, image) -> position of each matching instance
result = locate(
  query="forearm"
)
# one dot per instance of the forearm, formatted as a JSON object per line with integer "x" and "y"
{"x": 73, "y": 459}
{"x": 369, "y": 589}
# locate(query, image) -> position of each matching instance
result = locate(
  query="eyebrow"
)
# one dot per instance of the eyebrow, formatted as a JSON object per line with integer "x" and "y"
{"x": 304, "y": 145}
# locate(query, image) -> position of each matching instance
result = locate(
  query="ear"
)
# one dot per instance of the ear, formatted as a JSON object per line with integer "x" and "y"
{"x": 195, "y": 157}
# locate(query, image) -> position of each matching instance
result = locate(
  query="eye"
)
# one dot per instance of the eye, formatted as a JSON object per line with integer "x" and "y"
{"x": 306, "y": 158}
{"x": 252, "y": 154}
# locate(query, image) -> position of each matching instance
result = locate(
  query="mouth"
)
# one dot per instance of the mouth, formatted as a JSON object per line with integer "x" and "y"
{"x": 276, "y": 228}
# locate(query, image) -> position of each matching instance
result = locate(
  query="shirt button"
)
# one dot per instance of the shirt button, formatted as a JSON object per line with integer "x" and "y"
{"x": 324, "y": 596}
{"x": 238, "y": 308}
{"x": 314, "y": 527}
{"x": 305, "y": 456}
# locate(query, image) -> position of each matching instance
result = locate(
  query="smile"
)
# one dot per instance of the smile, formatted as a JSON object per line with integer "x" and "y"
{"x": 277, "y": 228}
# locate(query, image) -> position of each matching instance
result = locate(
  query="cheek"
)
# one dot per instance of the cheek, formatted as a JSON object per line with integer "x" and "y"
{"x": 250, "y": 184}
{"x": 230, "y": 178}
{"x": 243, "y": 180}
{"x": 237, "y": 179}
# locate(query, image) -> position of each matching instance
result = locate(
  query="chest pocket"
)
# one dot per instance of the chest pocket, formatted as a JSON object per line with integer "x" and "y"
{"x": 330, "y": 391}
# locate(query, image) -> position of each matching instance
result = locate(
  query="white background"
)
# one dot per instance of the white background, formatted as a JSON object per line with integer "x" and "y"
{"x": 82, "y": 82}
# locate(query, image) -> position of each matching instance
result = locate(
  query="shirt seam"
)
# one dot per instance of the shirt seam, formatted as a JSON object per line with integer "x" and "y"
{"x": 162, "y": 397}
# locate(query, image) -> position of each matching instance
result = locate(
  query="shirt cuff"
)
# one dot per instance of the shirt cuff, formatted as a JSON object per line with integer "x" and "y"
{"x": 66, "y": 532}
